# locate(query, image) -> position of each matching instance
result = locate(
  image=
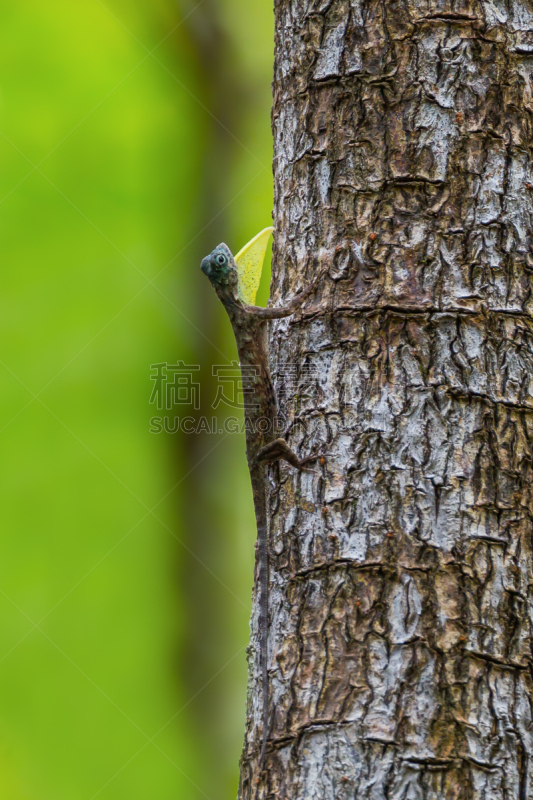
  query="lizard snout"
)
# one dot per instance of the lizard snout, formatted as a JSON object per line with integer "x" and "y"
{"x": 205, "y": 266}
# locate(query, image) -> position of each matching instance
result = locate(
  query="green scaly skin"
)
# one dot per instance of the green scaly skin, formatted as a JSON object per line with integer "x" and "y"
{"x": 249, "y": 325}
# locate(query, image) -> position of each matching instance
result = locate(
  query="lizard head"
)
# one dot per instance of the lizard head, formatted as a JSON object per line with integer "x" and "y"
{"x": 219, "y": 266}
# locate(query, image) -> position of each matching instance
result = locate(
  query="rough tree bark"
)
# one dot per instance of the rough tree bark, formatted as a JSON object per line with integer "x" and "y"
{"x": 401, "y": 602}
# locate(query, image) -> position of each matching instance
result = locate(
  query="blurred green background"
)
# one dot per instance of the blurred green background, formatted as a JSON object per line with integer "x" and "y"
{"x": 134, "y": 136}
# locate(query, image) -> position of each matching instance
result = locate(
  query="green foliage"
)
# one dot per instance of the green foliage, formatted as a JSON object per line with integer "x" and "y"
{"x": 101, "y": 149}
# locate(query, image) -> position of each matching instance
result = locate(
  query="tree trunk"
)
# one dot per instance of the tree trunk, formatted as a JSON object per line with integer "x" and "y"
{"x": 400, "y": 615}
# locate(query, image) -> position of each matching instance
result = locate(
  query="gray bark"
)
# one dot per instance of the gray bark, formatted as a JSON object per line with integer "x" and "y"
{"x": 401, "y": 601}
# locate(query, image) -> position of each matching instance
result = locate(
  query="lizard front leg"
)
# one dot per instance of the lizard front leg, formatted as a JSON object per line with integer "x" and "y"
{"x": 290, "y": 308}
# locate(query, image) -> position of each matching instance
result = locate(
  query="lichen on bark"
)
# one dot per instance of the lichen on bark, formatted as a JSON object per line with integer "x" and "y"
{"x": 401, "y": 603}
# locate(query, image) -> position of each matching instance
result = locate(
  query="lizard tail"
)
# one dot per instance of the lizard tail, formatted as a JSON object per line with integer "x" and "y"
{"x": 258, "y": 476}
{"x": 263, "y": 635}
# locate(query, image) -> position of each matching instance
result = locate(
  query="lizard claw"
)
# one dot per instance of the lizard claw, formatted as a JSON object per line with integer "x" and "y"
{"x": 309, "y": 459}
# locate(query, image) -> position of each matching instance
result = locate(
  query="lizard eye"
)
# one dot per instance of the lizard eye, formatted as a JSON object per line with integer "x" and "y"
{"x": 221, "y": 260}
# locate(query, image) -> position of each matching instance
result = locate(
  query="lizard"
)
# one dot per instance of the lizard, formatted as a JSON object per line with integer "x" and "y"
{"x": 235, "y": 280}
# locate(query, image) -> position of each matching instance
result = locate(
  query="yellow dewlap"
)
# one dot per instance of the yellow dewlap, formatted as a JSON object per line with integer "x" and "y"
{"x": 249, "y": 262}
